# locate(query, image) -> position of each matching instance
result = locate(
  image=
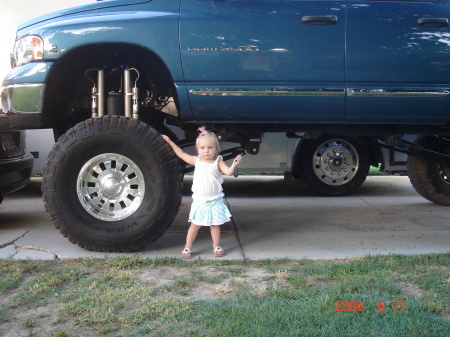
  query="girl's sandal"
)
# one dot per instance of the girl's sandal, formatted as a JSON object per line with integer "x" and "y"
{"x": 186, "y": 253}
{"x": 218, "y": 252}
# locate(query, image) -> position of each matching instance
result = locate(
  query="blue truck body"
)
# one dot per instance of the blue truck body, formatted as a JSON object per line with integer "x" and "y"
{"x": 374, "y": 64}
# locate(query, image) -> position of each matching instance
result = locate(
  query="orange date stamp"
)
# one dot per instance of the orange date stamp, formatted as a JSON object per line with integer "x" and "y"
{"x": 359, "y": 305}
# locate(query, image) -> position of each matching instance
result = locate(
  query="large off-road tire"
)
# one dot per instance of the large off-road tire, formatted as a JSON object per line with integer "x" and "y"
{"x": 333, "y": 166}
{"x": 112, "y": 184}
{"x": 430, "y": 179}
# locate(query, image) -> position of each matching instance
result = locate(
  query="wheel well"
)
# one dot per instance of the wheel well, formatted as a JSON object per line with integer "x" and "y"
{"x": 68, "y": 91}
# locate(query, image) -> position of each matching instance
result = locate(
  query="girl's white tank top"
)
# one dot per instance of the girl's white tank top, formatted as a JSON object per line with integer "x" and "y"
{"x": 207, "y": 184}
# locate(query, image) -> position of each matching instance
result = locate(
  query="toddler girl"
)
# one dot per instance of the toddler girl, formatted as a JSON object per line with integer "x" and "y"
{"x": 208, "y": 208}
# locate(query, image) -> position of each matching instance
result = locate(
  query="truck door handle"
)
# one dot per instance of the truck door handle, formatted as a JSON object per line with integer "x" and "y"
{"x": 320, "y": 20}
{"x": 433, "y": 22}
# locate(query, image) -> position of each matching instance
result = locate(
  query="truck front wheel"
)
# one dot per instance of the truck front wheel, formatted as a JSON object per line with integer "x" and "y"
{"x": 112, "y": 184}
{"x": 430, "y": 179}
{"x": 333, "y": 166}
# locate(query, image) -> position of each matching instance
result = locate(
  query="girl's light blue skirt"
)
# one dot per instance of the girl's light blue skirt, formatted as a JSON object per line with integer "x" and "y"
{"x": 209, "y": 213}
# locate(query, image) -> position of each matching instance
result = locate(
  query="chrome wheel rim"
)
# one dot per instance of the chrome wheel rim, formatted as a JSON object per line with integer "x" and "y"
{"x": 335, "y": 162}
{"x": 110, "y": 187}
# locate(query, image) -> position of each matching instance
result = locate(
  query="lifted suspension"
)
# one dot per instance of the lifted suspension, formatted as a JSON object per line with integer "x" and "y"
{"x": 413, "y": 149}
{"x": 127, "y": 95}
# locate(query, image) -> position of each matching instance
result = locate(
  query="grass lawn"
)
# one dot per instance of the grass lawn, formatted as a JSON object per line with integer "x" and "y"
{"x": 131, "y": 296}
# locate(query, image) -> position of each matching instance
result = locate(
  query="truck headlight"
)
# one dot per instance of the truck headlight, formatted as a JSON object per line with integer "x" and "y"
{"x": 28, "y": 48}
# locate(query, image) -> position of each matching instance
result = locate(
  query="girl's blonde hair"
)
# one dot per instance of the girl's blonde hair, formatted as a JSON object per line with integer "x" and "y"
{"x": 205, "y": 134}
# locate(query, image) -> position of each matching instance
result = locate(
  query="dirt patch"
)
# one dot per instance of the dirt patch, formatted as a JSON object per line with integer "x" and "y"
{"x": 257, "y": 276}
{"x": 411, "y": 289}
{"x": 160, "y": 276}
{"x": 208, "y": 283}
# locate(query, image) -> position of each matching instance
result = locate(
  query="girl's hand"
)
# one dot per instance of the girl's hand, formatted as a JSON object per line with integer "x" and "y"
{"x": 229, "y": 171}
{"x": 237, "y": 160}
{"x": 167, "y": 139}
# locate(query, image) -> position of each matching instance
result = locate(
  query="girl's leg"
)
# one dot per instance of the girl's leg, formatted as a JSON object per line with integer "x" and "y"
{"x": 215, "y": 235}
{"x": 192, "y": 235}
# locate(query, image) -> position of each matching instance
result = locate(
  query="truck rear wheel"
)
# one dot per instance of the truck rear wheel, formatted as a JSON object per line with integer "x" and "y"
{"x": 333, "y": 166}
{"x": 112, "y": 184}
{"x": 430, "y": 179}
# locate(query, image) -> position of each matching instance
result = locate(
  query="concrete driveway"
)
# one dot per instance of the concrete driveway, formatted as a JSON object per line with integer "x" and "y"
{"x": 271, "y": 219}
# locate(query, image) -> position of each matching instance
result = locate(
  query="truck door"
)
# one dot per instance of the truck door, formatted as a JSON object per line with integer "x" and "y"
{"x": 398, "y": 61}
{"x": 267, "y": 60}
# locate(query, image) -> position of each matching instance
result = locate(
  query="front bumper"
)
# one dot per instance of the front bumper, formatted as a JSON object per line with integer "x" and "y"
{"x": 22, "y": 95}
{"x": 15, "y": 173}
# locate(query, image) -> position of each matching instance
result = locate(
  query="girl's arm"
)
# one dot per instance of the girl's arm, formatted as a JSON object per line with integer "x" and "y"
{"x": 229, "y": 170}
{"x": 179, "y": 152}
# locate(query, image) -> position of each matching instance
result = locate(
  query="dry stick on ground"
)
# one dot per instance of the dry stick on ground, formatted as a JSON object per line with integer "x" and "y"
{"x": 17, "y": 245}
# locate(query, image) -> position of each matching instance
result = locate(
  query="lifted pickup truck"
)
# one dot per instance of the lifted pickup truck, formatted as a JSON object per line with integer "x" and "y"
{"x": 345, "y": 77}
